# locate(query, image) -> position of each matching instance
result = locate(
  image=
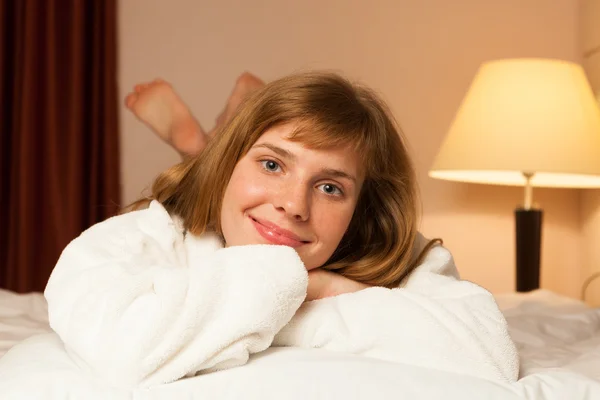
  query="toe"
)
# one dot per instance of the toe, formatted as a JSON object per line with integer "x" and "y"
{"x": 131, "y": 99}
{"x": 220, "y": 119}
{"x": 249, "y": 80}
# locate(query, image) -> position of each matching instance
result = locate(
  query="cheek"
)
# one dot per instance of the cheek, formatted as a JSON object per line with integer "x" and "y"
{"x": 333, "y": 224}
{"x": 330, "y": 225}
{"x": 236, "y": 188}
{"x": 230, "y": 205}
{"x": 244, "y": 191}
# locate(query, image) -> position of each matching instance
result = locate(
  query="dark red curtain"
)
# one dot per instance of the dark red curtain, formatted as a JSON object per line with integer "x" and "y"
{"x": 59, "y": 146}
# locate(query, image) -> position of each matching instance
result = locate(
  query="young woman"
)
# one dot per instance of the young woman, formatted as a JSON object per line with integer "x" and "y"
{"x": 305, "y": 192}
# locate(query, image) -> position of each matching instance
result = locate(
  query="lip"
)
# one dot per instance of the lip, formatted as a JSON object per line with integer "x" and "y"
{"x": 277, "y": 235}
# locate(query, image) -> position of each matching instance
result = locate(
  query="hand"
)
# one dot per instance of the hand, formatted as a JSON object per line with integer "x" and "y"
{"x": 323, "y": 283}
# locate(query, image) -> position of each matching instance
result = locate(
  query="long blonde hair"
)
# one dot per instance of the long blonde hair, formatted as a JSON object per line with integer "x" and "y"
{"x": 331, "y": 112}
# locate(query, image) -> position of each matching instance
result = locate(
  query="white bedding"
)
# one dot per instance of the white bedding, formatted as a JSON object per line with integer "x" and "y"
{"x": 553, "y": 332}
{"x": 140, "y": 303}
{"x": 21, "y": 316}
{"x": 558, "y": 339}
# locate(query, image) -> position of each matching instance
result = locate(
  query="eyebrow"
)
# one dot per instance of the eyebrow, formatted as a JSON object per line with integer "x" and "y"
{"x": 278, "y": 150}
{"x": 336, "y": 173}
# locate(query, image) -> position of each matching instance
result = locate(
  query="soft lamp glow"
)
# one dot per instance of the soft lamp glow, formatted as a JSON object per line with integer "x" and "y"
{"x": 532, "y": 116}
{"x": 530, "y": 122}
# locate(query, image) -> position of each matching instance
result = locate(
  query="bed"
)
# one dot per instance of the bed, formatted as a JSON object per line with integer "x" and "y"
{"x": 558, "y": 340}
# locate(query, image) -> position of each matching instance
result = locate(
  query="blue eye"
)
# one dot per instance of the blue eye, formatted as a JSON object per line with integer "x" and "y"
{"x": 330, "y": 189}
{"x": 270, "y": 165}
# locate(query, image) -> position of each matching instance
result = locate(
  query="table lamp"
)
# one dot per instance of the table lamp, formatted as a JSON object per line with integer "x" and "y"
{"x": 525, "y": 122}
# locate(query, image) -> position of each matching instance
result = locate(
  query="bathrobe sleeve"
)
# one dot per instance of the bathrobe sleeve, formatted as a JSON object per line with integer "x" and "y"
{"x": 138, "y": 303}
{"x": 434, "y": 320}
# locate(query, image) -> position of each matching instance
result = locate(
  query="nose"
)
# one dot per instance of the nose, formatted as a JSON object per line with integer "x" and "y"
{"x": 294, "y": 200}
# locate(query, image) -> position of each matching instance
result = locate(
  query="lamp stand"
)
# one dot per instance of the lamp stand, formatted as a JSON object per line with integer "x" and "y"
{"x": 529, "y": 241}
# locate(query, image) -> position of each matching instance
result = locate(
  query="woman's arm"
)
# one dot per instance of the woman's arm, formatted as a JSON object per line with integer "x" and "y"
{"x": 137, "y": 304}
{"x": 435, "y": 320}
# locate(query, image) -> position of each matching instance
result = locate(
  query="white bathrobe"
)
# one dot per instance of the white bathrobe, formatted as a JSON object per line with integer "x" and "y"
{"x": 139, "y": 303}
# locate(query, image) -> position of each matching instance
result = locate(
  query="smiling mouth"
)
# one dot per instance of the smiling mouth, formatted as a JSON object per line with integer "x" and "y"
{"x": 276, "y": 235}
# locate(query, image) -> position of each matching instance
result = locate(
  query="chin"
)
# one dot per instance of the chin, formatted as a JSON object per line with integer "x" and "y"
{"x": 311, "y": 265}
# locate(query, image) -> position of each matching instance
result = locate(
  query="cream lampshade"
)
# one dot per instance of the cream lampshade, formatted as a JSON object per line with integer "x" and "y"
{"x": 525, "y": 122}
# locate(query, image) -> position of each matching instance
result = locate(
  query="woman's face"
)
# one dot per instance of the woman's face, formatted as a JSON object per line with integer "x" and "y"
{"x": 283, "y": 193}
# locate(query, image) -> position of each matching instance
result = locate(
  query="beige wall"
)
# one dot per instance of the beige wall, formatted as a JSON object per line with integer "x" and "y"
{"x": 590, "y": 199}
{"x": 420, "y": 55}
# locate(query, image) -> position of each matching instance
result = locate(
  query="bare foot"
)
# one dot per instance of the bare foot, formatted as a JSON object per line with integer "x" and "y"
{"x": 158, "y": 106}
{"x": 244, "y": 86}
